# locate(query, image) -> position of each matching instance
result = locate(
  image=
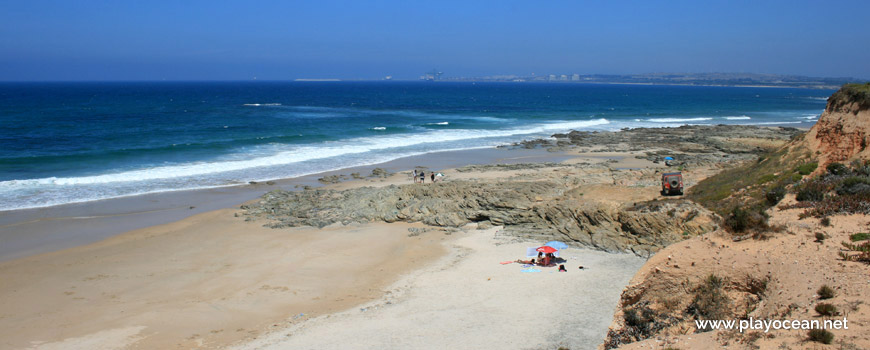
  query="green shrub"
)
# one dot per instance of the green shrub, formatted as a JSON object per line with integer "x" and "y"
{"x": 807, "y": 168}
{"x": 825, "y": 221}
{"x": 775, "y": 195}
{"x": 812, "y": 191}
{"x": 826, "y": 309}
{"x": 766, "y": 178}
{"x": 821, "y": 336}
{"x": 826, "y": 292}
{"x": 820, "y": 237}
{"x": 837, "y": 169}
{"x": 861, "y": 236}
{"x": 854, "y": 185}
{"x": 710, "y": 301}
{"x": 746, "y": 220}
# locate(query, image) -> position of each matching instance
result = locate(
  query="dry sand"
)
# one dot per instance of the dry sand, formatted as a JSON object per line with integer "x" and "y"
{"x": 797, "y": 265}
{"x": 207, "y": 280}
{"x": 469, "y": 301}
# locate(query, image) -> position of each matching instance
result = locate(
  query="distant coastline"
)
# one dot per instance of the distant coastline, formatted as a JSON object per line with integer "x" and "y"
{"x": 671, "y": 79}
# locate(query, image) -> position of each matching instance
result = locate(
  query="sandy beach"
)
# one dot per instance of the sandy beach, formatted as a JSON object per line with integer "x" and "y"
{"x": 468, "y": 300}
{"x": 219, "y": 278}
{"x": 203, "y": 281}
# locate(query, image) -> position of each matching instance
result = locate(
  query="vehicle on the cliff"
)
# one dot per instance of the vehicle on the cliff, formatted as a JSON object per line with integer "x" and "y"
{"x": 672, "y": 183}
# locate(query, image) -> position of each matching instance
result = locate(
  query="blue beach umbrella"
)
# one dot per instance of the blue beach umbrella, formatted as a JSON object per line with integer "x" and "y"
{"x": 556, "y": 244}
{"x": 669, "y": 158}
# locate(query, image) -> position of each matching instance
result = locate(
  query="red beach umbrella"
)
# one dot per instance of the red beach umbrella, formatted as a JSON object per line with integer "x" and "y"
{"x": 547, "y": 249}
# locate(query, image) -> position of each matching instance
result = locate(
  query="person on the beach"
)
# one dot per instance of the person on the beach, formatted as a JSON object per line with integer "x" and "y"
{"x": 562, "y": 268}
{"x": 422, "y": 177}
{"x": 525, "y": 261}
{"x": 415, "y": 176}
{"x": 433, "y": 178}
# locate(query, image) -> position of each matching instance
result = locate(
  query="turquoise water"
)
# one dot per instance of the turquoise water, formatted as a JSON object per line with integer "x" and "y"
{"x": 73, "y": 142}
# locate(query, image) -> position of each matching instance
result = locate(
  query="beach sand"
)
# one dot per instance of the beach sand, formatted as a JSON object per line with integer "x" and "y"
{"x": 213, "y": 280}
{"x": 470, "y": 301}
{"x": 204, "y": 281}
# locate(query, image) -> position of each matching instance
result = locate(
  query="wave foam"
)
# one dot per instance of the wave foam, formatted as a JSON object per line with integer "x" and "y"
{"x": 775, "y": 123}
{"x": 742, "y": 117}
{"x": 379, "y": 128}
{"x": 677, "y": 120}
{"x": 261, "y": 104}
{"x": 286, "y": 155}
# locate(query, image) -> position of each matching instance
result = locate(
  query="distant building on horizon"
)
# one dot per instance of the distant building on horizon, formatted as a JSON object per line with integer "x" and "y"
{"x": 575, "y": 77}
{"x": 432, "y": 75}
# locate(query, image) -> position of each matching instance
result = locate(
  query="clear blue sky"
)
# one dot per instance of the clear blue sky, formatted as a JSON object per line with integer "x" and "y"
{"x": 224, "y": 40}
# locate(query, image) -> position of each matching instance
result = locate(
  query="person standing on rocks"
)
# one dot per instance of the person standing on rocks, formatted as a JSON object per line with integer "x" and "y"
{"x": 433, "y": 177}
{"x": 415, "y": 176}
{"x": 422, "y": 177}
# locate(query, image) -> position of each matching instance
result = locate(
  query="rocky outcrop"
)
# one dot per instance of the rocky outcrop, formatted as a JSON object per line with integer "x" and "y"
{"x": 688, "y": 144}
{"x": 530, "y": 209}
{"x": 842, "y": 133}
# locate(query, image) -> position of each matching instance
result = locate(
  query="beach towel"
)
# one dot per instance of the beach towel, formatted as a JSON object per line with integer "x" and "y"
{"x": 531, "y": 270}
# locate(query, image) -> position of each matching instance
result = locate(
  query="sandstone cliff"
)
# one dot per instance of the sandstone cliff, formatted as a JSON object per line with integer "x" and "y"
{"x": 842, "y": 133}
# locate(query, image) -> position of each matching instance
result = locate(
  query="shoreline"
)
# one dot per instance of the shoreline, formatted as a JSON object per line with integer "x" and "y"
{"x": 27, "y": 232}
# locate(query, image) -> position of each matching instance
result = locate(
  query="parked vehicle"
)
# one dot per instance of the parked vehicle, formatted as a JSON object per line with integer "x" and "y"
{"x": 672, "y": 183}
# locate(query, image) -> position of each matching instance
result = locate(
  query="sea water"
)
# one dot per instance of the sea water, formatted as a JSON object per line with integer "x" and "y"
{"x": 74, "y": 142}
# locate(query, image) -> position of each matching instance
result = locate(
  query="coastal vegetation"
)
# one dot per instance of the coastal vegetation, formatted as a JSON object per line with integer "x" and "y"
{"x": 840, "y": 190}
{"x": 826, "y": 309}
{"x": 825, "y": 292}
{"x": 858, "y": 94}
{"x": 710, "y": 302}
{"x": 821, "y": 336}
{"x": 741, "y": 195}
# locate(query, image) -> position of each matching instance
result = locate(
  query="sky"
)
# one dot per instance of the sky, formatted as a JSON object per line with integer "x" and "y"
{"x": 279, "y": 40}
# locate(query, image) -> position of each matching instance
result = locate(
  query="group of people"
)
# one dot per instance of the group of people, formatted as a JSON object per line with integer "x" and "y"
{"x": 543, "y": 260}
{"x": 421, "y": 176}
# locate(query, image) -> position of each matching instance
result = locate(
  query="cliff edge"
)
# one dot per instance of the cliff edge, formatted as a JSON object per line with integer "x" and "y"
{"x": 779, "y": 254}
{"x": 842, "y": 133}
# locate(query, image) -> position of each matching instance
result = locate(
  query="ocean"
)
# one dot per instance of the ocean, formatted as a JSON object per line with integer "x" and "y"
{"x": 76, "y": 142}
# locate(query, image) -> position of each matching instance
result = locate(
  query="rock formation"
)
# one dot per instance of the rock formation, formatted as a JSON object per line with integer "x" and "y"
{"x": 542, "y": 210}
{"x": 842, "y": 133}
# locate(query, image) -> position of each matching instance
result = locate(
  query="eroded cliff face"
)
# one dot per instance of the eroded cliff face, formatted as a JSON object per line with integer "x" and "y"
{"x": 842, "y": 133}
